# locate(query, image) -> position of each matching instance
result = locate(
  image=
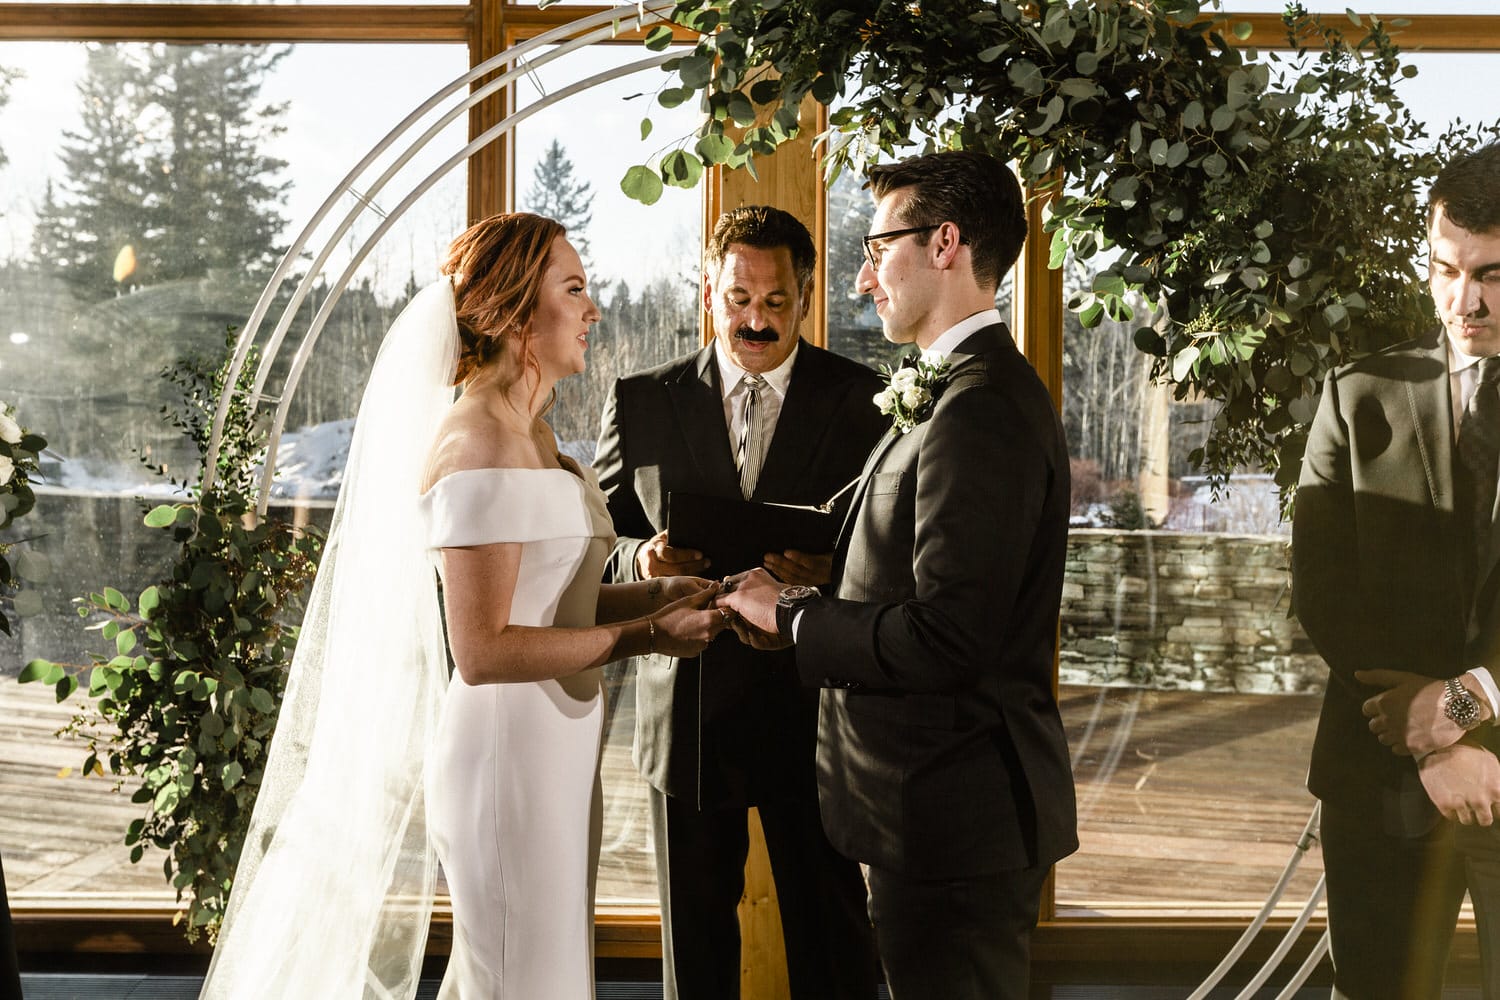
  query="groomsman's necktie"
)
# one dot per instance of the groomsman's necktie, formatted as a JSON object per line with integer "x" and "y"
{"x": 747, "y": 455}
{"x": 1479, "y": 450}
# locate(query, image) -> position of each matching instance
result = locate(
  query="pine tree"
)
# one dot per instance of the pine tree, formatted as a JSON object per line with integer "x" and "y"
{"x": 7, "y": 76}
{"x": 100, "y": 208}
{"x": 166, "y": 161}
{"x": 215, "y": 200}
{"x": 556, "y": 194}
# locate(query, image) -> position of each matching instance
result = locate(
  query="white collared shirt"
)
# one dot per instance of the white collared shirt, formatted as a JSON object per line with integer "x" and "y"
{"x": 956, "y": 334}
{"x": 1463, "y": 379}
{"x": 768, "y": 406}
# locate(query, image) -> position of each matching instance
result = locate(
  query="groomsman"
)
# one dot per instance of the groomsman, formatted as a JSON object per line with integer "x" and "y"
{"x": 941, "y": 758}
{"x": 758, "y": 414}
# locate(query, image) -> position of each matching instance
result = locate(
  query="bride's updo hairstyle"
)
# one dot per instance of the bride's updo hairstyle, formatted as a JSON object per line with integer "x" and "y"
{"x": 496, "y": 266}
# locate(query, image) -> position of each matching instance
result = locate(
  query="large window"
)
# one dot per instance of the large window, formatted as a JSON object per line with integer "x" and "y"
{"x": 1189, "y": 693}
{"x": 154, "y": 190}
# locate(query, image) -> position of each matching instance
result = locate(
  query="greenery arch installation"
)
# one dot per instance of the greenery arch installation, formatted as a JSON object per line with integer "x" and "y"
{"x": 1265, "y": 210}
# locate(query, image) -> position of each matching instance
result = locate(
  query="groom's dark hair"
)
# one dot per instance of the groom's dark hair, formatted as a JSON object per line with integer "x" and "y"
{"x": 974, "y": 191}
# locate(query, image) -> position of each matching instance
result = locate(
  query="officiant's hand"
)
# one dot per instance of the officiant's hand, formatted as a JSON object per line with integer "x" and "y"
{"x": 801, "y": 567}
{"x": 657, "y": 558}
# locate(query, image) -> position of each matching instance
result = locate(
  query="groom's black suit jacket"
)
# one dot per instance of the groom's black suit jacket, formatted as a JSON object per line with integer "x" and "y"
{"x": 739, "y": 726}
{"x": 941, "y": 753}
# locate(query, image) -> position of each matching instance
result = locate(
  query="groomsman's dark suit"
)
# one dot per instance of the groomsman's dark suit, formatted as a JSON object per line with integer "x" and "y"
{"x": 1382, "y": 574}
{"x": 735, "y": 728}
{"x": 941, "y": 756}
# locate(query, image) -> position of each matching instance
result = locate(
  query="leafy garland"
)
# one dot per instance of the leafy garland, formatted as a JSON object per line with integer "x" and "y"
{"x": 194, "y": 678}
{"x": 1264, "y": 215}
{"x": 19, "y": 452}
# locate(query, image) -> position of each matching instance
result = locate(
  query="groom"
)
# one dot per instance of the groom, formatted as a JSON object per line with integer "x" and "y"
{"x": 941, "y": 758}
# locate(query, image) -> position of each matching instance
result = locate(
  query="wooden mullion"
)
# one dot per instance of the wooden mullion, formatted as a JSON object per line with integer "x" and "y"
{"x": 490, "y": 167}
{"x": 206, "y": 23}
{"x": 1425, "y": 33}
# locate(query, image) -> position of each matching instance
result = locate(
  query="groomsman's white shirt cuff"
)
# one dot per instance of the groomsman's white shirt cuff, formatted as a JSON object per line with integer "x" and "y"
{"x": 1486, "y": 684}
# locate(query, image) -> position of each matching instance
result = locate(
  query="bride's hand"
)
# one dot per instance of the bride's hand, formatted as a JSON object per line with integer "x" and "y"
{"x": 687, "y": 625}
{"x": 675, "y": 588}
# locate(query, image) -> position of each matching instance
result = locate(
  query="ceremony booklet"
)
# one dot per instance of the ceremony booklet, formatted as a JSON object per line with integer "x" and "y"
{"x": 736, "y": 534}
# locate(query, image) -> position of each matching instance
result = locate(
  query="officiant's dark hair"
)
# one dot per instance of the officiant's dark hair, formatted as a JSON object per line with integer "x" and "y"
{"x": 496, "y": 266}
{"x": 1468, "y": 188}
{"x": 974, "y": 191}
{"x": 764, "y": 228}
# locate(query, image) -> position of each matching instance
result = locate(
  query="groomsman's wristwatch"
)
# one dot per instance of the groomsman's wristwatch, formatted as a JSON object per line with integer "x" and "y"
{"x": 1461, "y": 707}
{"x": 791, "y": 600}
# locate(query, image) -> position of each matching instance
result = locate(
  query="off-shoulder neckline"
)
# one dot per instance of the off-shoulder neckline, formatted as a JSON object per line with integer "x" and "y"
{"x": 575, "y": 477}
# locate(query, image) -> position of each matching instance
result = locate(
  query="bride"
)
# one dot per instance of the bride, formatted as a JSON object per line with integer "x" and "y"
{"x": 379, "y": 761}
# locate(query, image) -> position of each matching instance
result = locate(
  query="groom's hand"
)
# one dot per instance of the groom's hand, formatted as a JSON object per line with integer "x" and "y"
{"x": 752, "y": 596}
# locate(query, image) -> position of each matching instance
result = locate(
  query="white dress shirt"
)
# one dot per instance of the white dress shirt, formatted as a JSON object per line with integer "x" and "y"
{"x": 767, "y": 406}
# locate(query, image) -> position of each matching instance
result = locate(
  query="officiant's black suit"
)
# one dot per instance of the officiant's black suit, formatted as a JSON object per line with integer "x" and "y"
{"x": 736, "y": 728}
{"x": 941, "y": 756}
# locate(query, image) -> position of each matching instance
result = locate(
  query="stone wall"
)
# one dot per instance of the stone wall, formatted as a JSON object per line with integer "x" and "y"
{"x": 1183, "y": 611}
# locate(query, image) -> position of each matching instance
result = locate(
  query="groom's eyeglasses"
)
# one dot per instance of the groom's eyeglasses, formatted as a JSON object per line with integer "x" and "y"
{"x": 873, "y": 253}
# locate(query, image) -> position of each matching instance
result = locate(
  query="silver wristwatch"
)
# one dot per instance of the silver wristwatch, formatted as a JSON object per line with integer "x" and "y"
{"x": 1461, "y": 707}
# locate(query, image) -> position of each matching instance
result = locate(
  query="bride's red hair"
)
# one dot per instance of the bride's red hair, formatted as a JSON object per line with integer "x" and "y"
{"x": 496, "y": 266}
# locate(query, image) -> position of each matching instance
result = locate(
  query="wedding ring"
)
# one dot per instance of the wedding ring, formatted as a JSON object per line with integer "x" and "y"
{"x": 727, "y": 615}
{"x": 726, "y": 586}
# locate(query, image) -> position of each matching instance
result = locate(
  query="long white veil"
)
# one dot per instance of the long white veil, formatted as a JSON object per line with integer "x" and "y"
{"x": 334, "y": 887}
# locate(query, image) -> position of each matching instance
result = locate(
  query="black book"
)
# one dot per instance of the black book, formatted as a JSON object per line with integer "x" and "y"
{"x": 736, "y": 534}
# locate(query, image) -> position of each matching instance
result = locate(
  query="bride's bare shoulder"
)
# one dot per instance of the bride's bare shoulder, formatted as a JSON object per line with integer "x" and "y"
{"x": 469, "y": 439}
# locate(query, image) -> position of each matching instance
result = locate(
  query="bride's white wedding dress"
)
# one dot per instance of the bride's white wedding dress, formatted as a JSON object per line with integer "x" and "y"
{"x": 512, "y": 779}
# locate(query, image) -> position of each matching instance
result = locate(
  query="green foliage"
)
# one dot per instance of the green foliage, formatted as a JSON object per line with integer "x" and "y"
{"x": 1126, "y": 512}
{"x": 186, "y": 694}
{"x": 19, "y": 449}
{"x": 1267, "y": 209}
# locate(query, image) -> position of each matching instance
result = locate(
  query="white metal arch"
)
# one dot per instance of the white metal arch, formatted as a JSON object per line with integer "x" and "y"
{"x": 513, "y": 63}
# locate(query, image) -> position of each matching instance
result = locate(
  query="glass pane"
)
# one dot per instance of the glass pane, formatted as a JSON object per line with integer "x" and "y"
{"x": 853, "y": 327}
{"x": 643, "y": 267}
{"x": 1189, "y": 694}
{"x": 122, "y": 252}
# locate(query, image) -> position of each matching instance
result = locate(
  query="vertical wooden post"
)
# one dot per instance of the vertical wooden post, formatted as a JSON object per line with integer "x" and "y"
{"x": 1038, "y": 297}
{"x": 489, "y": 168}
{"x": 792, "y": 181}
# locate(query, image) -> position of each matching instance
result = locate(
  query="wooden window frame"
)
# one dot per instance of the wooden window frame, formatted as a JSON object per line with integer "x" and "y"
{"x": 485, "y": 26}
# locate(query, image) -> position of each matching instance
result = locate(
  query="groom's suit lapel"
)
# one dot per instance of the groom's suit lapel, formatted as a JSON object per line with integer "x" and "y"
{"x": 961, "y": 357}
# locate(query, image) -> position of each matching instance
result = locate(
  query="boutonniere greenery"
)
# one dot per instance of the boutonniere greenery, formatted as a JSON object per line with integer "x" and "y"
{"x": 910, "y": 392}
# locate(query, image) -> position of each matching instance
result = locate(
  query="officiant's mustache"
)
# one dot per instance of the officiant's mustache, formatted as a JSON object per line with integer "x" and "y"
{"x": 765, "y": 335}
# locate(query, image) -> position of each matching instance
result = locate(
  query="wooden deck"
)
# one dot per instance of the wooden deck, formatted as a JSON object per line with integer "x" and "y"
{"x": 1184, "y": 798}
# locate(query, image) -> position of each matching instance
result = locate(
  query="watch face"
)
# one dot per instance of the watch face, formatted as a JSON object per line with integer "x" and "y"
{"x": 795, "y": 594}
{"x": 1460, "y": 706}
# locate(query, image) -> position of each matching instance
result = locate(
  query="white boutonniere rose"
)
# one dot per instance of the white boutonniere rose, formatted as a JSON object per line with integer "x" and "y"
{"x": 909, "y": 393}
{"x": 7, "y": 469}
{"x": 10, "y": 431}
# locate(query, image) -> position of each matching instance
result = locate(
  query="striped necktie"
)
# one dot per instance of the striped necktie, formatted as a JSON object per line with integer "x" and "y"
{"x": 747, "y": 456}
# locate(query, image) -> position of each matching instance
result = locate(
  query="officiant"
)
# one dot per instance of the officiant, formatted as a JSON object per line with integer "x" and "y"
{"x": 758, "y": 414}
